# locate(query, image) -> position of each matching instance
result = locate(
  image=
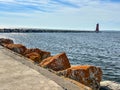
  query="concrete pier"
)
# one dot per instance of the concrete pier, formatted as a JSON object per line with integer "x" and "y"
{"x": 19, "y": 73}
{"x": 16, "y": 76}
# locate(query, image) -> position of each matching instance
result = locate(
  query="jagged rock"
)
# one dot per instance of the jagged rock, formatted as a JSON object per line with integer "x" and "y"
{"x": 19, "y": 48}
{"x": 37, "y": 50}
{"x": 34, "y": 56}
{"x": 87, "y": 75}
{"x": 4, "y": 41}
{"x": 109, "y": 85}
{"x": 43, "y": 54}
{"x": 56, "y": 63}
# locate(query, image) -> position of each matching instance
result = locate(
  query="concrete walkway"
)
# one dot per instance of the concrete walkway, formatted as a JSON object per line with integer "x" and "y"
{"x": 16, "y": 76}
{"x": 18, "y": 73}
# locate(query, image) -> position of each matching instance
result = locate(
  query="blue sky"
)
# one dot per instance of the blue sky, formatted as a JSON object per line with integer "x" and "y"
{"x": 60, "y": 14}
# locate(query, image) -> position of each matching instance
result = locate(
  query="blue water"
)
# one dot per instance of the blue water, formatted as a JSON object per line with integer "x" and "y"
{"x": 99, "y": 49}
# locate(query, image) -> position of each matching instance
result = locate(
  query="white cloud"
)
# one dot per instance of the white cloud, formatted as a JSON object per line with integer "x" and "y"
{"x": 57, "y": 15}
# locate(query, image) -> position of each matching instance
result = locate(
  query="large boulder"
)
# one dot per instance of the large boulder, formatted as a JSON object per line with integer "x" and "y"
{"x": 37, "y": 50}
{"x": 56, "y": 63}
{"x": 87, "y": 75}
{"x": 34, "y": 56}
{"x": 43, "y": 54}
{"x": 19, "y": 48}
{"x": 4, "y": 41}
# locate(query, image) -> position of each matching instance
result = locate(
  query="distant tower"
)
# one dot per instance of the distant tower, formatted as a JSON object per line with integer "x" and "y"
{"x": 97, "y": 27}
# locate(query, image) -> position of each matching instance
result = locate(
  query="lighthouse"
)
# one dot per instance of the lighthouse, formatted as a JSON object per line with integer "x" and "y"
{"x": 97, "y": 27}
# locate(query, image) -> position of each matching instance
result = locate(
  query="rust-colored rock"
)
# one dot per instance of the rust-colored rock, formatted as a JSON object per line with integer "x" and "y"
{"x": 4, "y": 41}
{"x": 37, "y": 50}
{"x": 87, "y": 75}
{"x": 56, "y": 63}
{"x": 43, "y": 54}
{"x": 34, "y": 56}
{"x": 19, "y": 48}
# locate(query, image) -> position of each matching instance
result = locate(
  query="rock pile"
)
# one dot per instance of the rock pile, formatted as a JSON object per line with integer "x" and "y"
{"x": 57, "y": 63}
{"x": 86, "y": 74}
{"x": 5, "y": 41}
{"x": 18, "y": 48}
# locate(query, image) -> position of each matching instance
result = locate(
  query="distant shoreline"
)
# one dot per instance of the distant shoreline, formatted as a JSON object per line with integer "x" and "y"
{"x": 41, "y": 31}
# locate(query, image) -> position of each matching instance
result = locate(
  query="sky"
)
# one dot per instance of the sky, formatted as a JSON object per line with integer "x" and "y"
{"x": 60, "y": 14}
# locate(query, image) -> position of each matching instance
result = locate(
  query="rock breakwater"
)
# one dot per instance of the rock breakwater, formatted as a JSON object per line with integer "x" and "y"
{"x": 90, "y": 76}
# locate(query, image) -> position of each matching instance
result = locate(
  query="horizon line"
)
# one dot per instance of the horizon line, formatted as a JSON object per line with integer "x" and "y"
{"x": 60, "y": 29}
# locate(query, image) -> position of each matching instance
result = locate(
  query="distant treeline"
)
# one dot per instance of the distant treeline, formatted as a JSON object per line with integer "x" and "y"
{"x": 38, "y": 30}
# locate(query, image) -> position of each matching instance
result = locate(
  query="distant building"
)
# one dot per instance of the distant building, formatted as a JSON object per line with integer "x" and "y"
{"x": 97, "y": 27}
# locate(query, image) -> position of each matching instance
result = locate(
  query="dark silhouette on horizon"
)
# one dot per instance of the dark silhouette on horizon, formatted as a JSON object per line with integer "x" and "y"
{"x": 23, "y": 30}
{"x": 97, "y": 27}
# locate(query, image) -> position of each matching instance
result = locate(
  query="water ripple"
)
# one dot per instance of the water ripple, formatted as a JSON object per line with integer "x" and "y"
{"x": 100, "y": 49}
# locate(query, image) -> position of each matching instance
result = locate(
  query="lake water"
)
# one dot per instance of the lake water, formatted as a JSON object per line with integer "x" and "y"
{"x": 99, "y": 49}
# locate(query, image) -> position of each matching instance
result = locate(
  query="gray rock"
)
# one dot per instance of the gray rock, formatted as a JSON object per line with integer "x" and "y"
{"x": 109, "y": 85}
{"x": 5, "y": 41}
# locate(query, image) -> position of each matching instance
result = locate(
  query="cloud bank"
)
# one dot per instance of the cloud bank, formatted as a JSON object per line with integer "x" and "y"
{"x": 75, "y": 14}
